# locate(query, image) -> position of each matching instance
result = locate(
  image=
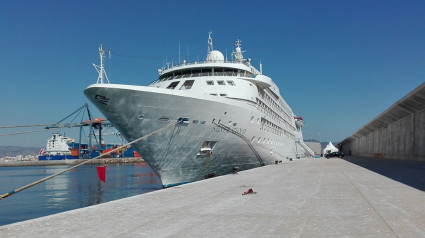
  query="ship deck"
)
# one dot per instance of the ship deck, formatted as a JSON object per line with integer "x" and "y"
{"x": 351, "y": 197}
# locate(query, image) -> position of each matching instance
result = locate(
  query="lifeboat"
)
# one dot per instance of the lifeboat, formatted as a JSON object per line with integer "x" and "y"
{"x": 299, "y": 122}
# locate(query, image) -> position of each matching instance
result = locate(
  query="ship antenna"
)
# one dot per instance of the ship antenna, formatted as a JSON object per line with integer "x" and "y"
{"x": 210, "y": 43}
{"x": 238, "y": 52}
{"x": 261, "y": 67}
{"x": 100, "y": 68}
{"x": 187, "y": 49}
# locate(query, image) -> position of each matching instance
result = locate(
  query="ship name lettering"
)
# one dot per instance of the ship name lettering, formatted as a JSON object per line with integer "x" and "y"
{"x": 222, "y": 130}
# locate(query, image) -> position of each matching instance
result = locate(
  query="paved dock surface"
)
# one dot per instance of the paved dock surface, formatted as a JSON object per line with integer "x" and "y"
{"x": 302, "y": 198}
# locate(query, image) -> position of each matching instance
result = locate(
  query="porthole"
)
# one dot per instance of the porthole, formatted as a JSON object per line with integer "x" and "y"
{"x": 140, "y": 117}
{"x": 164, "y": 118}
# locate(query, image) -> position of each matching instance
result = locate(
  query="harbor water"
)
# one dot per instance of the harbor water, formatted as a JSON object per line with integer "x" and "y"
{"x": 78, "y": 188}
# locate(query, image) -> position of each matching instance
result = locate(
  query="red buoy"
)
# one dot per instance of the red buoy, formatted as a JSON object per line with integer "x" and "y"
{"x": 101, "y": 171}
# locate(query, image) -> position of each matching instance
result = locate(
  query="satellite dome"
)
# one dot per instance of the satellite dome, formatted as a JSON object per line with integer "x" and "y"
{"x": 215, "y": 56}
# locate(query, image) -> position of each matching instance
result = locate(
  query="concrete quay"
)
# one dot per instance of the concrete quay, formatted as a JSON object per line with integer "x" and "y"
{"x": 351, "y": 197}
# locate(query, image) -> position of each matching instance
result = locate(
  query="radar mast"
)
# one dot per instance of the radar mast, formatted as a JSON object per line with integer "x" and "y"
{"x": 210, "y": 43}
{"x": 100, "y": 69}
{"x": 238, "y": 52}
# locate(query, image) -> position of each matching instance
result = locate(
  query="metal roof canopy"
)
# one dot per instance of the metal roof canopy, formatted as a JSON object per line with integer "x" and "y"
{"x": 411, "y": 103}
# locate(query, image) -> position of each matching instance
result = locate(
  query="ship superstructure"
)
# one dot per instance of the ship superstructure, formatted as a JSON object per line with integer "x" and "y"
{"x": 57, "y": 148}
{"x": 233, "y": 117}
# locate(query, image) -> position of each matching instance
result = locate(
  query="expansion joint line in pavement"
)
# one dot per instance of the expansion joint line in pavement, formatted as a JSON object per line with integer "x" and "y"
{"x": 367, "y": 200}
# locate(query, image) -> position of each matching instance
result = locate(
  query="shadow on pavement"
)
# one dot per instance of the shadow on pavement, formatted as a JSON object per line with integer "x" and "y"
{"x": 411, "y": 173}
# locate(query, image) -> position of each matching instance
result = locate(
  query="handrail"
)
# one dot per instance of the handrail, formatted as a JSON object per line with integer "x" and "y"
{"x": 167, "y": 66}
{"x": 308, "y": 149}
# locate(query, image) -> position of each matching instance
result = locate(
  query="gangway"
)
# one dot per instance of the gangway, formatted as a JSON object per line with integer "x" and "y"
{"x": 305, "y": 147}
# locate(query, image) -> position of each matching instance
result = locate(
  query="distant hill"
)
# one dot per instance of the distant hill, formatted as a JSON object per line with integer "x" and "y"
{"x": 13, "y": 151}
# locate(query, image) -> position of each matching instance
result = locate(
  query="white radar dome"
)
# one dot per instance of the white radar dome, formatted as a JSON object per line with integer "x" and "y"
{"x": 215, "y": 56}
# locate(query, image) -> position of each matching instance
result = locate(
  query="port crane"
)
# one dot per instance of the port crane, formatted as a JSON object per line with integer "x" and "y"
{"x": 92, "y": 123}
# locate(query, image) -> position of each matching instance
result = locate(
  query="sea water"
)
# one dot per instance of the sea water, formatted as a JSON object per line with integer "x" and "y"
{"x": 77, "y": 188}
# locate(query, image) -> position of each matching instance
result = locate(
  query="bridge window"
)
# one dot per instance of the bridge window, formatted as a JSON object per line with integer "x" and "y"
{"x": 221, "y": 82}
{"x": 187, "y": 85}
{"x": 196, "y": 72}
{"x": 210, "y": 82}
{"x": 206, "y": 72}
{"x": 218, "y": 71}
{"x": 230, "y": 72}
{"x": 173, "y": 85}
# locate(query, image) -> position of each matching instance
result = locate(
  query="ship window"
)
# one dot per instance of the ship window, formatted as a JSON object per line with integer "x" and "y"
{"x": 196, "y": 72}
{"x": 218, "y": 71}
{"x": 206, "y": 72}
{"x": 173, "y": 85}
{"x": 164, "y": 76}
{"x": 187, "y": 85}
{"x": 186, "y": 73}
{"x": 223, "y": 94}
{"x": 210, "y": 82}
{"x": 246, "y": 74}
{"x": 230, "y": 72}
{"x": 231, "y": 83}
{"x": 221, "y": 82}
{"x": 213, "y": 94}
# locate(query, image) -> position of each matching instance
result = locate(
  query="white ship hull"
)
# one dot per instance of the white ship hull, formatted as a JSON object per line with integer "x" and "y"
{"x": 233, "y": 117}
{"x": 174, "y": 154}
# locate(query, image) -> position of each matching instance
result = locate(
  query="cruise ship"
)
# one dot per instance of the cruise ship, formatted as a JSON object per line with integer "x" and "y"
{"x": 231, "y": 117}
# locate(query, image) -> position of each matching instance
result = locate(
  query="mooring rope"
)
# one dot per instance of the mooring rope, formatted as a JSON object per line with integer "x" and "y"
{"x": 84, "y": 162}
{"x": 55, "y": 126}
{"x": 23, "y": 132}
{"x": 39, "y": 125}
{"x": 46, "y": 129}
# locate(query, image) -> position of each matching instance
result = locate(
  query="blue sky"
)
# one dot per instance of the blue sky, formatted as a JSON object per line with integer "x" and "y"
{"x": 338, "y": 63}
